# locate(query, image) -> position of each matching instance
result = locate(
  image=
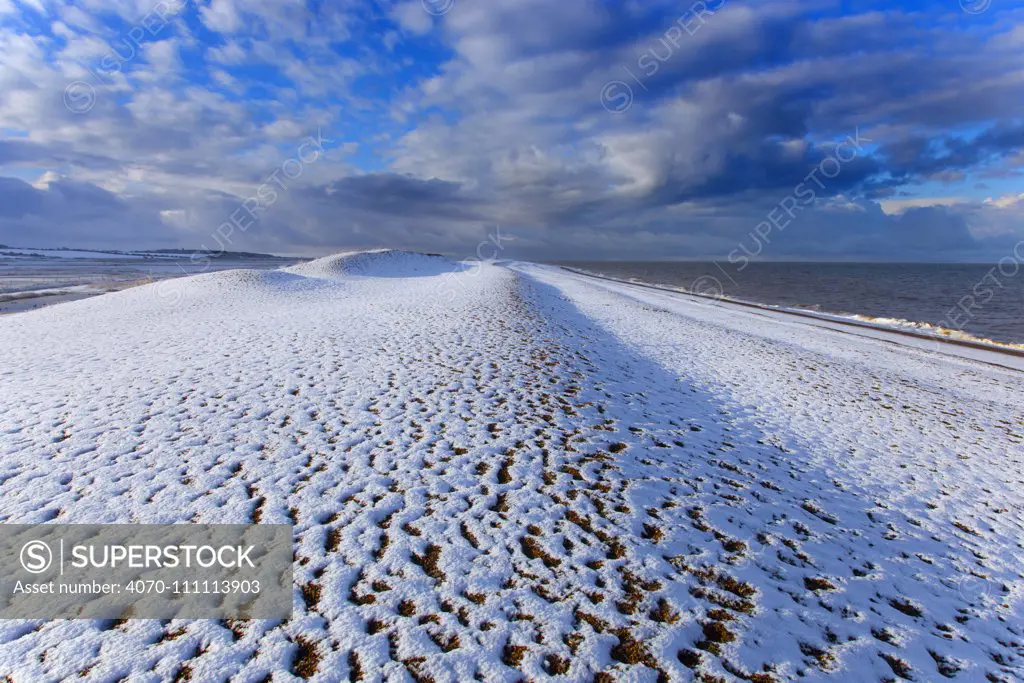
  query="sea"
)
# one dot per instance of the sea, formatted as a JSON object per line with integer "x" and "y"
{"x": 31, "y": 283}
{"x": 983, "y": 301}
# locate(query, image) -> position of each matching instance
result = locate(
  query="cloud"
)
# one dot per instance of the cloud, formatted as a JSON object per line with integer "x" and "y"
{"x": 60, "y": 209}
{"x": 411, "y": 17}
{"x": 221, "y": 16}
{"x": 491, "y": 114}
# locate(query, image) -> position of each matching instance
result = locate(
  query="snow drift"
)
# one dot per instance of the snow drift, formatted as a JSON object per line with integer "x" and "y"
{"x": 376, "y": 263}
{"x": 332, "y": 272}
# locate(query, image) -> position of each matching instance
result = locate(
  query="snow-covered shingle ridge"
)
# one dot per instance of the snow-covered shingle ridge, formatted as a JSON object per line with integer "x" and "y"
{"x": 376, "y": 263}
{"x": 523, "y": 473}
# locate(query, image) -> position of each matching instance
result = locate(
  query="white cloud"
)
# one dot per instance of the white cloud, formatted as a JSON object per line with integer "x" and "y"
{"x": 221, "y": 16}
{"x": 164, "y": 57}
{"x": 412, "y": 17}
{"x": 1006, "y": 201}
{"x": 895, "y": 207}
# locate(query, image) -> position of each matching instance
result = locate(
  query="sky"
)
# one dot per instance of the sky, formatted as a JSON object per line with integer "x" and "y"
{"x": 544, "y": 129}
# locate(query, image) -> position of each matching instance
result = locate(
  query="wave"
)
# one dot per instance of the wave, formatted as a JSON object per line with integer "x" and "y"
{"x": 930, "y": 330}
{"x": 923, "y": 329}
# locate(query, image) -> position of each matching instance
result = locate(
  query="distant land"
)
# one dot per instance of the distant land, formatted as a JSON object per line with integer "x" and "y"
{"x": 68, "y": 252}
{"x": 223, "y": 254}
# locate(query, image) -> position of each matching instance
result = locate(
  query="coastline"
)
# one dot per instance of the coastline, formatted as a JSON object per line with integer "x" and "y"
{"x": 937, "y": 341}
{"x": 29, "y": 284}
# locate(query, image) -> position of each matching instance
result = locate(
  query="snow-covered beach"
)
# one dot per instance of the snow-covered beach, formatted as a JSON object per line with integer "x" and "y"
{"x": 499, "y": 472}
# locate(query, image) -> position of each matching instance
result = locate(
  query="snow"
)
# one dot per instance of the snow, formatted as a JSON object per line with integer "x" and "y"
{"x": 499, "y": 473}
{"x": 376, "y": 263}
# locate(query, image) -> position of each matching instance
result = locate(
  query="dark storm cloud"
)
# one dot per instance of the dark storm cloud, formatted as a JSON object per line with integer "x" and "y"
{"x": 67, "y": 210}
{"x": 16, "y": 152}
{"x": 864, "y": 231}
{"x": 923, "y": 157}
{"x": 394, "y": 194}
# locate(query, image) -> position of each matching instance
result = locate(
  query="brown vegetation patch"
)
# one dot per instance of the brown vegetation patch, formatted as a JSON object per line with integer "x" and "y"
{"x": 355, "y": 667}
{"x": 616, "y": 551}
{"x": 817, "y": 583}
{"x": 966, "y": 529}
{"x": 556, "y": 665}
{"x": 237, "y": 627}
{"x": 899, "y": 667}
{"x": 446, "y": 643}
{"x": 736, "y": 587}
{"x": 664, "y": 613}
{"x": 717, "y": 632}
{"x": 690, "y": 658}
{"x": 412, "y": 665}
{"x": 906, "y": 607}
{"x": 429, "y": 562}
{"x": 333, "y": 540}
{"x": 653, "y": 533}
{"x": 505, "y": 473}
{"x": 477, "y": 598}
{"x": 307, "y": 659}
{"x": 468, "y": 534}
{"x": 629, "y": 650}
{"x": 596, "y": 623}
{"x": 734, "y": 545}
{"x": 534, "y": 550}
{"x": 579, "y": 520}
{"x": 310, "y": 595}
{"x": 512, "y": 655}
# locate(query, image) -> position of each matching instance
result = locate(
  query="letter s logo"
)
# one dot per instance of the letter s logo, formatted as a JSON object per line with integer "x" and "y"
{"x": 36, "y": 557}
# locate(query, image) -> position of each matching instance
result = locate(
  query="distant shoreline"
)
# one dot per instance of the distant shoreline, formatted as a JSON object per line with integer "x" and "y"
{"x": 147, "y": 255}
{"x": 979, "y": 344}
